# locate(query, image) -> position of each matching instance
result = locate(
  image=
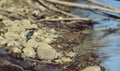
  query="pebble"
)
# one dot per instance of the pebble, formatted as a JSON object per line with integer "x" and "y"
{"x": 28, "y": 52}
{"x": 66, "y": 60}
{"x": 92, "y": 68}
{"x": 70, "y": 54}
{"x": 13, "y": 44}
{"x": 2, "y": 41}
{"x": 45, "y": 51}
{"x": 16, "y": 50}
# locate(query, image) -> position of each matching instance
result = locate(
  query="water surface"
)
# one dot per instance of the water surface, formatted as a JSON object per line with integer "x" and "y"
{"x": 111, "y": 51}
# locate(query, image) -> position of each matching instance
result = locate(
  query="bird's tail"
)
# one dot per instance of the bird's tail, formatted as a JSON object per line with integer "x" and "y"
{"x": 26, "y": 39}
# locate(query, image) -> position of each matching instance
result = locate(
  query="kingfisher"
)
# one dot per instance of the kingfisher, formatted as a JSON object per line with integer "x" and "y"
{"x": 30, "y": 34}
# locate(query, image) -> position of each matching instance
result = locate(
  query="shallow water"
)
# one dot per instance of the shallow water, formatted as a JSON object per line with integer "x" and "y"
{"x": 111, "y": 50}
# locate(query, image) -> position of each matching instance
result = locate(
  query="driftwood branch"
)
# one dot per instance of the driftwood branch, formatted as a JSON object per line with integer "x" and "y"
{"x": 52, "y": 7}
{"x": 83, "y": 6}
{"x": 66, "y": 19}
{"x": 101, "y": 4}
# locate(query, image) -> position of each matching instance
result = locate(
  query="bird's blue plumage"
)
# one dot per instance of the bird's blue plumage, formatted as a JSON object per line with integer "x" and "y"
{"x": 26, "y": 39}
{"x": 28, "y": 35}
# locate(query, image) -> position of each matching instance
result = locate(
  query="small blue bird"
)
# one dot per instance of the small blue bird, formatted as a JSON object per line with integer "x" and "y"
{"x": 30, "y": 34}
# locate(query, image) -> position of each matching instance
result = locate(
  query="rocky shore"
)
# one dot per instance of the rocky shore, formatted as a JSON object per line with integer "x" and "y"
{"x": 50, "y": 48}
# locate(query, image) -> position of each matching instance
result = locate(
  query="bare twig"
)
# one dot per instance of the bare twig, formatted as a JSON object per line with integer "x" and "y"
{"x": 52, "y": 7}
{"x": 64, "y": 19}
{"x": 100, "y": 4}
{"x": 83, "y": 6}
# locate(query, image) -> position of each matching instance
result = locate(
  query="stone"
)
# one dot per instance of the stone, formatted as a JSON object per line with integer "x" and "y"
{"x": 36, "y": 12}
{"x": 40, "y": 38}
{"x": 2, "y": 41}
{"x": 17, "y": 22}
{"x": 70, "y": 54}
{"x": 23, "y": 35}
{"x": 92, "y": 68}
{"x": 66, "y": 59}
{"x": 54, "y": 35}
{"x": 28, "y": 52}
{"x": 26, "y": 23}
{"x": 14, "y": 28}
{"x": 16, "y": 50}
{"x": 24, "y": 43}
{"x": 7, "y": 22}
{"x": 59, "y": 55}
{"x": 3, "y": 17}
{"x": 45, "y": 51}
{"x": 47, "y": 40}
{"x": 52, "y": 31}
{"x": 31, "y": 43}
{"x": 33, "y": 26}
{"x": 60, "y": 17}
{"x": 58, "y": 61}
{"x": 39, "y": 32}
{"x": 13, "y": 44}
{"x": 10, "y": 36}
{"x": 58, "y": 46}
{"x": 86, "y": 32}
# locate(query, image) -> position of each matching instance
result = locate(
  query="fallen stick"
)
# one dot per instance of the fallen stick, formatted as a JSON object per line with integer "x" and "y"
{"x": 52, "y": 7}
{"x": 83, "y": 6}
{"x": 66, "y": 19}
{"x": 100, "y": 4}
